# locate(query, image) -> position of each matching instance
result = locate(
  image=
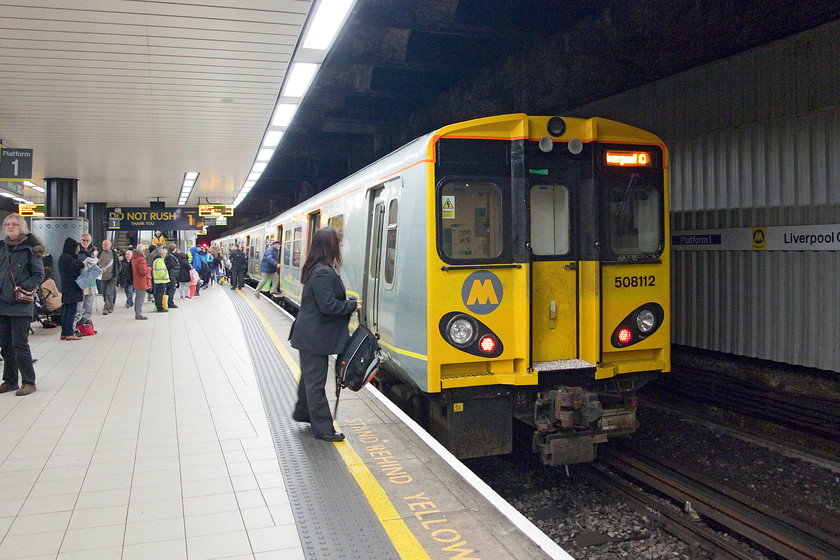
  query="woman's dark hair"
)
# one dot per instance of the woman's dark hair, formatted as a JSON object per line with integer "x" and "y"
{"x": 47, "y": 272}
{"x": 324, "y": 250}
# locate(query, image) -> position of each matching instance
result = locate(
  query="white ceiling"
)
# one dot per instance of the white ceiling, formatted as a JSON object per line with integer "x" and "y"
{"x": 128, "y": 95}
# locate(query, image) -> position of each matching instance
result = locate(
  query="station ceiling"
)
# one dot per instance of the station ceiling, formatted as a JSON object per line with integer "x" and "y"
{"x": 128, "y": 95}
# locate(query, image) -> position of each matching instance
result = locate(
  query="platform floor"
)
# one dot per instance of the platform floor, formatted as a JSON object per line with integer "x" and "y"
{"x": 148, "y": 440}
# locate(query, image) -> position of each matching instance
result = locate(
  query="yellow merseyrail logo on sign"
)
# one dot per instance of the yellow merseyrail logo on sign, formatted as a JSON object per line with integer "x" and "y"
{"x": 482, "y": 292}
{"x": 759, "y": 239}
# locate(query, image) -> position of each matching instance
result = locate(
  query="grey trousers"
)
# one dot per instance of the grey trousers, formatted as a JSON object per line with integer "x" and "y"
{"x": 312, "y": 394}
{"x": 139, "y": 300}
{"x": 266, "y": 276}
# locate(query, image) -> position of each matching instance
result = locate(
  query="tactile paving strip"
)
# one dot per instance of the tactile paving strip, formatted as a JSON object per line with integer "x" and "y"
{"x": 331, "y": 511}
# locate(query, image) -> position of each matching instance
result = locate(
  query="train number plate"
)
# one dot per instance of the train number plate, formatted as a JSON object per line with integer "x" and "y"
{"x": 635, "y": 281}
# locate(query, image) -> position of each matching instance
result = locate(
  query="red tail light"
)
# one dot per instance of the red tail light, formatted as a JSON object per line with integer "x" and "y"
{"x": 624, "y": 336}
{"x": 487, "y": 344}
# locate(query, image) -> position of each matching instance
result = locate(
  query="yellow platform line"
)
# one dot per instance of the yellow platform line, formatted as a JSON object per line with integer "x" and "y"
{"x": 407, "y": 545}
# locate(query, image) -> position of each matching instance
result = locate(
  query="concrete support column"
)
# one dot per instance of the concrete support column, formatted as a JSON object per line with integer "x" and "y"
{"x": 97, "y": 221}
{"x": 61, "y": 198}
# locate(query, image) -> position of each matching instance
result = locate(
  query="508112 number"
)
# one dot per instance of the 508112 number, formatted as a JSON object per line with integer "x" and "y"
{"x": 635, "y": 281}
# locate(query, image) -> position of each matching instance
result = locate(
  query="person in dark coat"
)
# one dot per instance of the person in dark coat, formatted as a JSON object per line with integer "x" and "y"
{"x": 172, "y": 265}
{"x": 69, "y": 268}
{"x": 238, "y": 265}
{"x": 183, "y": 275}
{"x": 21, "y": 266}
{"x": 320, "y": 330}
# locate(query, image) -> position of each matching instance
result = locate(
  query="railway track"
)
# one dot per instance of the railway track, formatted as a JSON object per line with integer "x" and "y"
{"x": 772, "y": 530}
{"x": 803, "y": 412}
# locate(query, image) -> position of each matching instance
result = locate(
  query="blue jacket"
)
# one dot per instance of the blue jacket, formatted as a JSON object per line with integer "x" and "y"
{"x": 270, "y": 260}
{"x": 196, "y": 260}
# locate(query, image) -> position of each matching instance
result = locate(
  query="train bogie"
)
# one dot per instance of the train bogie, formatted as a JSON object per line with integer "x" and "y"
{"x": 514, "y": 267}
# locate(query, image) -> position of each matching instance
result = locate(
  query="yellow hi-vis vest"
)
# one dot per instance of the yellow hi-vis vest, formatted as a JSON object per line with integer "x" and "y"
{"x": 160, "y": 274}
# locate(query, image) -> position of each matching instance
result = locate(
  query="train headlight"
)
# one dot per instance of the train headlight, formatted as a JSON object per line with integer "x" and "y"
{"x": 461, "y": 331}
{"x": 645, "y": 321}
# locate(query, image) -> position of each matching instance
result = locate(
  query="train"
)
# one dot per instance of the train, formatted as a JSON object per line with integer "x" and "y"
{"x": 515, "y": 268}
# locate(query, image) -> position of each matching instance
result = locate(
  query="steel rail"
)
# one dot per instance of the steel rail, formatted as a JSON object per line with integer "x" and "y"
{"x": 776, "y": 532}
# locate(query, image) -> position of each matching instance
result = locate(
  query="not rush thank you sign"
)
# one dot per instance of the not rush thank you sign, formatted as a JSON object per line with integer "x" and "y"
{"x": 154, "y": 219}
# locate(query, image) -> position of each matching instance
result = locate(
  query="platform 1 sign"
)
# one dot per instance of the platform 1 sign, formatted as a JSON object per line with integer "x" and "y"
{"x": 821, "y": 237}
{"x": 145, "y": 218}
{"x": 15, "y": 164}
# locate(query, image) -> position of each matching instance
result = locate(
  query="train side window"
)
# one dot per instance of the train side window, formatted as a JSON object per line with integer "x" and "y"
{"x": 377, "y": 235}
{"x": 391, "y": 243}
{"x": 550, "y": 219}
{"x": 337, "y": 222}
{"x": 471, "y": 220}
{"x": 287, "y": 248}
{"x": 296, "y": 247}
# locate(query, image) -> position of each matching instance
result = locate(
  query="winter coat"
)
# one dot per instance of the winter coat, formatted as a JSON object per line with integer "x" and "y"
{"x": 238, "y": 260}
{"x": 270, "y": 260}
{"x": 24, "y": 260}
{"x": 69, "y": 268}
{"x": 126, "y": 277}
{"x": 183, "y": 269}
{"x": 105, "y": 257}
{"x": 142, "y": 279}
{"x": 51, "y": 295}
{"x": 321, "y": 324}
{"x": 171, "y": 260}
{"x": 196, "y": 260}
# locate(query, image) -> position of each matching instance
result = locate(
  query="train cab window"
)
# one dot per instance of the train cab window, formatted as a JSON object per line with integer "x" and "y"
{"x": 635, "y": 216}
{"x": 471, "y": 220}
{"x": 391, "y": 244}
{"x": 298, "y": 237}
{"x": 287, "y": 248}
{"x": 550, "y": 220}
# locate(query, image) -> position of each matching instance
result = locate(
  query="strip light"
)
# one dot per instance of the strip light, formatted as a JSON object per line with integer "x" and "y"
{"x": 190, "y": 177}
{"x": 318, "y": 36}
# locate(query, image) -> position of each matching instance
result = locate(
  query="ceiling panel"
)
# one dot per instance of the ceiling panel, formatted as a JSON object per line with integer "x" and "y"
{"x": 128, "y": 95}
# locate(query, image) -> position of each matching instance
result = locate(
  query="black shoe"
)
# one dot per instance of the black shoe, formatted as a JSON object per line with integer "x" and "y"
{"x": 173, "y": 306}
{"x": 338, "y": 436}
{"x": 300, "y": 418}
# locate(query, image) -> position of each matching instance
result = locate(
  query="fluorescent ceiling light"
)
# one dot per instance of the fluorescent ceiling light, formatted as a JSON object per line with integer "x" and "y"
{"x": 299, "y": 78}
{"x": 283, "y": 114}
{"x": 265, "y": 154}
{"x": 326, "y": 23}
{"x": 272, "y": 138}
{"x": 191, "y": 176}
{"x": 249, "y": 184}
{"x": 188, "y": 183}
{"x": 7, "y": 194}
{"x": 254, "y": 176}
{"x": 259, "y": 167}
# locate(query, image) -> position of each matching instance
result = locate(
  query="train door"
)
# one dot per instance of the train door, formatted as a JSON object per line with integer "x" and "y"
{"x": 373, "y": 259}
{"x": 553, "y": 274}
{"x": 314, "y": 225}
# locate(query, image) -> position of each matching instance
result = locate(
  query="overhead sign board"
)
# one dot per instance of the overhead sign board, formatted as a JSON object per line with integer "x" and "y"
{"x": 215, "y": 210}
{"x": 15, "y": 164}
{"x": 145, "y": 218}
{"x": 31, "y": 209}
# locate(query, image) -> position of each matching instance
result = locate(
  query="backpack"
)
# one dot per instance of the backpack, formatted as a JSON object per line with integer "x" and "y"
{"x": 358, "y": 364}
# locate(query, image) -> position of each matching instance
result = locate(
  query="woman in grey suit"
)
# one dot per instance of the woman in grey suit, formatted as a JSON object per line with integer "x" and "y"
{"x": 320, "y": 330}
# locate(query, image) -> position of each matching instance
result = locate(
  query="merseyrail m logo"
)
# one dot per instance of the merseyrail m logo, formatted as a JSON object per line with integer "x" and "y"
{"x": 482, "y": 292}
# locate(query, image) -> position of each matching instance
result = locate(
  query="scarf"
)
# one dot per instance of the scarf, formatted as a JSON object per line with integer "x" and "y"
{"x": 15, "y": 242}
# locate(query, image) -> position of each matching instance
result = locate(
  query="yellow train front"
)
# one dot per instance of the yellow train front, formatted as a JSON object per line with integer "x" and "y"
{"x": 548, "y": 282}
